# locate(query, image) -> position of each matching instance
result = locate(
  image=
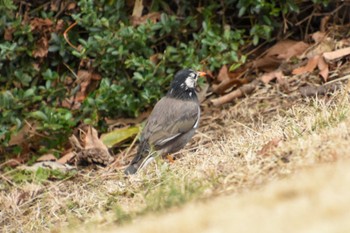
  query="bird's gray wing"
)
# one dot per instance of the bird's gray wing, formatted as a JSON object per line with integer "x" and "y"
{"x": 169, "y": 119}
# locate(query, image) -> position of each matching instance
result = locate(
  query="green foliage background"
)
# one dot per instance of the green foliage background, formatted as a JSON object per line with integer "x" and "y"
{"x": 197, "y": 34}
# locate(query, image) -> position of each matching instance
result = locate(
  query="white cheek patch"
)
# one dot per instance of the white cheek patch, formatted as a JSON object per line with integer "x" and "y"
{"x": 190, "y": 82}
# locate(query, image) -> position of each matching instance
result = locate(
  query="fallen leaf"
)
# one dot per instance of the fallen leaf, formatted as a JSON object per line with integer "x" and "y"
{"x": 233, "y": 79}
{"x": 71, "y": 6}
{"x": 54, "y": 5}
{"x": 296, "y": 49}
{"x": 268, "y": 147}
{"x": 154, "y": 58}
{"x": 67, "y": 158}
{"x": 59, "y": 25}
{"x": 318, "y": 36}
{"x": 46, "y": 157}
{"x": 8, "y": 34}
{"x": 41, "y": 47}
{"x": 323, "y": 67}
{"x": 23, "y": 134}
{"x": 309, "y": 67}
{"x": 320, "y": 48}
{"x": 92, "y": 140}
{"x": 96, "y": 76}
{"x": 41, "y": 25}
{"x": 117, "y": 136}
{"x": 324, "y": 23}
{"x": 223, "y": 74}
{"x": 84, "y": 80}
{"x": 94, "y": 150}
{"x": 153, "y": 17}
{"x": 329, "y": 56}
{"x": 281, "y": 51}
{"x": 71, "y": 103}
{"x": 267, "y": 77}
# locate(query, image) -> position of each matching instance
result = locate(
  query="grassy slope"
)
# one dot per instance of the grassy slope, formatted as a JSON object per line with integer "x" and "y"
{"x": 316, "y": 200}
{"x": 223, "y": 159}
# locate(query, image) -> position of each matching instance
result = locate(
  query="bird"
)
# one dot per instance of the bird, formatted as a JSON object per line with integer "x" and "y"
{"x": 172, "y": 122}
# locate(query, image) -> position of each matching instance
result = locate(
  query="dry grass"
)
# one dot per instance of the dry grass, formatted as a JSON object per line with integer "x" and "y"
{"x": 316, "y": 200}
{"x": 223, "y": 159}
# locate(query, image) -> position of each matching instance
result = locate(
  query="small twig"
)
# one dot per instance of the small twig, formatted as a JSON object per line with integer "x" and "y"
{"x": 70, "y": 69}
{"x": 338, "y": 79}
{"x": 65, "y": 35}
{"x": 8, "y": 180}
{"x": 244, "y": 90}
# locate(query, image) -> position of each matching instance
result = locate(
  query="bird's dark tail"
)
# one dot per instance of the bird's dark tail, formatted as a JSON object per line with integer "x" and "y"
{"x": 142, "y": 153}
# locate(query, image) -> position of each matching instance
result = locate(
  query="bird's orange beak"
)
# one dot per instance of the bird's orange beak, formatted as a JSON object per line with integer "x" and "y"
{"x": 201, "y": 74}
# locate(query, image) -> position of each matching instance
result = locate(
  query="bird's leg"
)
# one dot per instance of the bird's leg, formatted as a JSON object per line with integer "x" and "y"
{"x": 170, "y": 158}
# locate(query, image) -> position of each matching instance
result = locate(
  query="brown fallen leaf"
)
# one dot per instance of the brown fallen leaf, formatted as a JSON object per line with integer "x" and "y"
{"x": 280, "y": 52}
{"x": 85, "y": 79}
{"x": 93, "y": 151}
{"x": 316, "y": 61}
{"x": 230, "y": 79}
{"x": 71, "y": 6}
{"x": 92, "y": 140}
{"x": 326, "y": 45}
{"x": 318, "y": 36}
{"x": 60, "y": 24}
{"x": 46, "y": 157}
{"x": 268, "y": 148}
{"x": 153, "y": 17}
{"x": 223, "y": 74}
{"x": 41, "y": 25}
{"x": 27, "y": 131}
{"x": 8, "y": 34}
{"x": 67, "y": 158}
{"x": 154, "y": 58}
{"x": 309, "y": 67}
{"x": 329, "y": 56}
{"x": 324, "y": 68}
{"x": 41, "y": 47}
{"x": 55, "y": 5}
{"x": 267, "y": 77}
{"x": 71, "y": 103}
{"x": 295, "y": 49}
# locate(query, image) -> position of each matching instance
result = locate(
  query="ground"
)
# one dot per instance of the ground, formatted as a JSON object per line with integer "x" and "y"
{"x": 241, "y": 169}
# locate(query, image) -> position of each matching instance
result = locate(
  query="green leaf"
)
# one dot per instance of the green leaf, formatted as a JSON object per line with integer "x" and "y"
{"x": 39, "y": 115}
{"x": 241, "y": 11}
{"x": 234, "y": 66}
{"x": 117, "y": 136}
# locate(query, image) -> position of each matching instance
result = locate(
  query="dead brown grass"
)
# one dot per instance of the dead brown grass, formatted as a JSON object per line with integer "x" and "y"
{"x": 224, "y": 158}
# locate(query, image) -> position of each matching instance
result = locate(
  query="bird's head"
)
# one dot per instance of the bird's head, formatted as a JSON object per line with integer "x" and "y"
{"x": 184, "y": 83}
